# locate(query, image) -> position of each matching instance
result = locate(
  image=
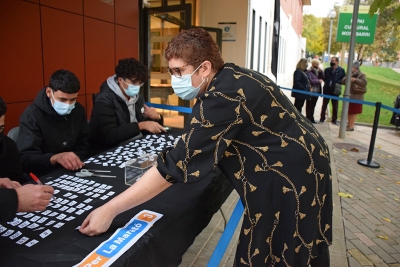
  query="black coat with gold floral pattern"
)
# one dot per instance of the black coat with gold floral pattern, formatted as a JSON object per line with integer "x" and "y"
{"x": 274, "y": 157}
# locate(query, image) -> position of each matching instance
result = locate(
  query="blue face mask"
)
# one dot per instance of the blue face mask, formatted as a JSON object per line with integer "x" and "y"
{"x": 62, "y": 108}
{"x": 183, "y": 86}
{"x": 132, "y": 89}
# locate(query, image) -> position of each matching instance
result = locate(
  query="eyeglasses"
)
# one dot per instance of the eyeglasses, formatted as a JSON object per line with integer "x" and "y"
{"x": 2, "y": 127}
{"x": 135, "y": 82}
{"x": 177, "y": 71}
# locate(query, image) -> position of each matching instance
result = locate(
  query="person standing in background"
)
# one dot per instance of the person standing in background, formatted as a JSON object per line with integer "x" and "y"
{"x": 333, "y": 75}
{"x": 316, "y": 77}
{"x": 300, "y": 82}
{"x": 357, "y": 90}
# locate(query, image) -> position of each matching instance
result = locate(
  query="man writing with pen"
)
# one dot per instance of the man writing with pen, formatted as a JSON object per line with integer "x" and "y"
{"x": 13, "y": 196}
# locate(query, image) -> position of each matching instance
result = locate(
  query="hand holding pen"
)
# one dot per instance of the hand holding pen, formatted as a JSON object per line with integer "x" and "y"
{"x": 34, "y": 177}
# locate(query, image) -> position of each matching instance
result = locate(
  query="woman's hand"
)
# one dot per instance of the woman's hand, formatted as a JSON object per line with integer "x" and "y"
{"x": 98, "y": 221}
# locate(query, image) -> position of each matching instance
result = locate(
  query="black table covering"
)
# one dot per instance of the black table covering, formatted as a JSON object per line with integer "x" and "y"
{"x": 186, "y": 209}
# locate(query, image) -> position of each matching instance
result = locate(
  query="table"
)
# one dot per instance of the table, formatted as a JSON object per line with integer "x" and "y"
{"x": 186, "y": 209}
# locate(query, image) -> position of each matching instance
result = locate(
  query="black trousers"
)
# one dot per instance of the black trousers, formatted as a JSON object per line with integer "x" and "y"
{"x": 299, "y": 103}
{"x": 335, "y": 105}
{"x": 310, "y": 107}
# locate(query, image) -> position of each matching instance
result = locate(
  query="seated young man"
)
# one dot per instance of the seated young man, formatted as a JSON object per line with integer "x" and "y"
{"x": 53, "y": 129}
{"x": 10, "y": 164}
{"x": 119, "y": 112}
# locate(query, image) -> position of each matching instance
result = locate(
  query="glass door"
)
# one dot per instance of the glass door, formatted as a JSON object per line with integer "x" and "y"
{"x": 163, "y": 23}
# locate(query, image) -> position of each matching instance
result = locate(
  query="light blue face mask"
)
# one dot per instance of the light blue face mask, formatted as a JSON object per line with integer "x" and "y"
{"x": 62, "y": 108}
{"x": 132, "y": 89}
{"x": 183, "y": 86}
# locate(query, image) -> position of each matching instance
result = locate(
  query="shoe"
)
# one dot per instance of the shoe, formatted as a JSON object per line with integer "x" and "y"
{"x": 316, "y": 122}
{"x": 321, "y": 121}
{"x": 349, "y": 129}
{"x": 335, "y": 122}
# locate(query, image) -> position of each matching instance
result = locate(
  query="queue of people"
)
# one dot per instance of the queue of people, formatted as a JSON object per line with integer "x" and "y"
{"x": 319, "y": 81}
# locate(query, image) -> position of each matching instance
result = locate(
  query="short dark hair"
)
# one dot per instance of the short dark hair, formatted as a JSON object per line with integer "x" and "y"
{"x": 64, "y": 80}
{"x": 130, "y": 68}
{"x": 336, "y": 59}
{"x": 3, "y": 107}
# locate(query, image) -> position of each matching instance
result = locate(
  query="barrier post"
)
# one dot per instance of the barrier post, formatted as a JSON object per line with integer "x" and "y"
{"x": 369, "y": 162}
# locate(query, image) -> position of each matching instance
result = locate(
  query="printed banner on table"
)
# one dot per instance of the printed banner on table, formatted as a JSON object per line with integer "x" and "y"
{"x": 110, "y": 250}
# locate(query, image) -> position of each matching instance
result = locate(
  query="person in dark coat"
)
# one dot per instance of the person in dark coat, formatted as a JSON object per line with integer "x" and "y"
{"x": 316, "y": 77}
{"x": 53, "y": 129}
{"x": 10, "y": 164}
{"x": 119, "y": 112}
{"x": 395, "y": 120}
{"x": 14, "y": 197}
{"x": 301, "y": 82}
{"x": 274, "y": 157}
{"x": 333, "y": 75}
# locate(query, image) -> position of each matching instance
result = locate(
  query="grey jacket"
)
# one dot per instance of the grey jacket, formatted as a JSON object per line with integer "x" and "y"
{"x": 358, "y": 87}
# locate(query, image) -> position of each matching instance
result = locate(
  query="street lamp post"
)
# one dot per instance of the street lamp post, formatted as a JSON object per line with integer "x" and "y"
{"x": 331, "y": 15}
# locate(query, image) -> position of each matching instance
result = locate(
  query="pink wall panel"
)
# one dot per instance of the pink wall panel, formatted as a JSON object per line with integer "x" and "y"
{"x": 99, "y": 53}
{"x": 126, "y": 13}
{"x": 126, "y": 40}
{"x": 75, "y": 6}
{"x": 99, "y": 10}
{"x": 63, "y": 45}
{"x": 20, "y": 51}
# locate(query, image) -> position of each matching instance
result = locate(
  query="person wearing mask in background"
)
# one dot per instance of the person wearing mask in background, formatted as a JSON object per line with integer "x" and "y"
{"x": 300, "y": 82}
{"x": 333, "y": 75}
{"x": 10, "y": 164}
{"x": 357, "y": 90}
{"x": 14, "y": 197}
{"x": 53, "y": 129}
{"x": 119, "y": 112}
{"x": 316, "y": 77}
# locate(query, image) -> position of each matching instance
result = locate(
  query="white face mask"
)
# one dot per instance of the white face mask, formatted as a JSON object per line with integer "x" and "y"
{"x": 60, "y": 107}
{"x": 183, "y": 86}
{"x": 132, "y": 89}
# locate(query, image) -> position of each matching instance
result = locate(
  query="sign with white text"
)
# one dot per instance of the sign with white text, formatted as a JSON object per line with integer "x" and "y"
{"x": 110, "y": 250}
{"x": 366, "y": 25}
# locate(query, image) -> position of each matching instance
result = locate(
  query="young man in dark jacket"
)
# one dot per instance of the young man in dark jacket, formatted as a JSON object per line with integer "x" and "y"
{"x": 333, "y": 75}
{"x": 54, "y": 129}
{"x": 10, "y": 164}
{"x": 119, "y": 112}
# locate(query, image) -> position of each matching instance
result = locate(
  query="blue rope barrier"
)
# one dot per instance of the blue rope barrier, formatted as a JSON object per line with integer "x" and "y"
{"x": 226, "y": 235}
{"x": 168, "y": 107}
{"x": 330, "y": 96}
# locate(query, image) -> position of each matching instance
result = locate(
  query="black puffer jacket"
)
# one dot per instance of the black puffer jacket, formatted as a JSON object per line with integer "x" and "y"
{"x": 110, "y": 120}
{"x": 43, "y": 133}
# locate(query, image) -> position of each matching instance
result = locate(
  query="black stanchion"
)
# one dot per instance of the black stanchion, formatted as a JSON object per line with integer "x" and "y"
{"x": 369, "y": 162}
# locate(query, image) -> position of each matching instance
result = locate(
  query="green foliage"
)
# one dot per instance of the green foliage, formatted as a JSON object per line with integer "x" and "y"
{"x": 382, "y": 5}
{"x": 313, "y": 31}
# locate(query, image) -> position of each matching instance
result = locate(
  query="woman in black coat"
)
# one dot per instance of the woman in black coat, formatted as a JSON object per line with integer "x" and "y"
{"x": 301, "y": 82}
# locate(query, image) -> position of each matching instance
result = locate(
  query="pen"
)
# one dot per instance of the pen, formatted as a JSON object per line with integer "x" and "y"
{"x": 34, "y": 177}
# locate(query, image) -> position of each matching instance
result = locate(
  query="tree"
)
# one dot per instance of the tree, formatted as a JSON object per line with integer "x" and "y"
{"x": 387, "y": 34}
{"x": 381, "y": 5}
{"x": 313, "y": 31}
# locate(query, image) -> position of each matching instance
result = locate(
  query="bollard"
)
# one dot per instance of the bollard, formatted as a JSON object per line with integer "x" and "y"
{"x": 369, "y": 162}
